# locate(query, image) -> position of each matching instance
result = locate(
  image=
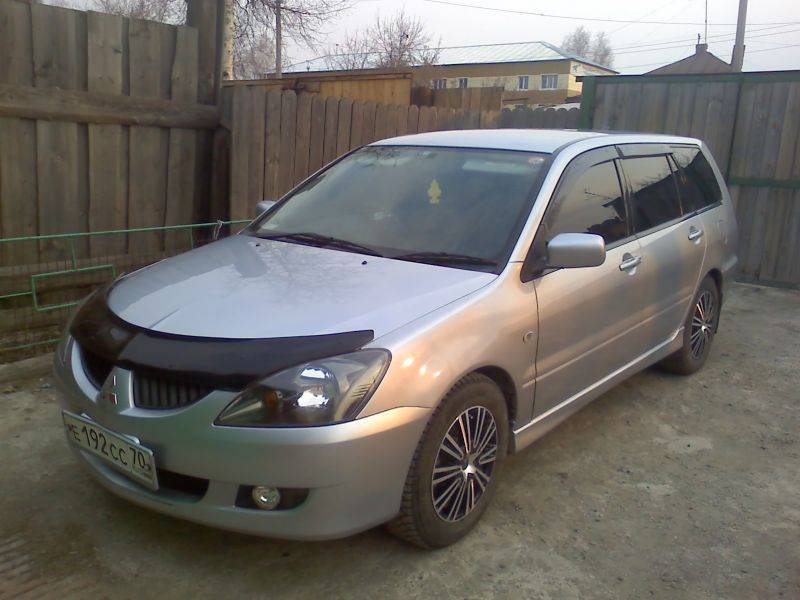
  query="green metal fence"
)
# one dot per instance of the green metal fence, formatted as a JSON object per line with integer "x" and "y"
{"x": 36, "y": 297}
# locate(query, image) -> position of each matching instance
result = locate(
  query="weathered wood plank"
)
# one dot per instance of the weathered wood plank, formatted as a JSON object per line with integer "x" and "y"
{"x": 182, "y": 176}
{"x": 790, "y": 134}
{"x": 151, "y": 50}
{"x": 108, "y": 144}
{"x": 343, "y": 126}
{"x": 331, "y": 129}
{"x": 288, "y": 133}
{"x": 368, "y": 130}
{"x": 381, "y": 111}
{"x": 248, "y": 144}
{"x": 16, "y": 59}
{"x": 413, "y": 119}
{"x": 317, "y": 150}
{"x": 272, "y": 152}
{"x": 303, "y": 128}
{"x": 401, "y": 127}
{"x": 102, "y": 108}
{"x": 202, "y": 15}
{"x": 59, "y": 60}
{"x": 18, "y": 199}
{"x": 356, "y": 124}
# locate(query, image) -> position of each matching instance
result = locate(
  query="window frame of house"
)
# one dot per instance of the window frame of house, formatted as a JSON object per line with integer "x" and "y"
{"x": 544, "y": 77}
{"x": 464, "y": 81}
{"x": 526, "y": 79}
{"x": 440, "y": 84}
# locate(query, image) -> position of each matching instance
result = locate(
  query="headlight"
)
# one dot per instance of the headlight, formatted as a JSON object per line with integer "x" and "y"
{"x": 320, "y": 392}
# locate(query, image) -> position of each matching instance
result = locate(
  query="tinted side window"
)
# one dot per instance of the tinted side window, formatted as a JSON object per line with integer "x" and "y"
{"x": 654, "y": 197}
{"x": 696, "y": 180}
{"x": 590, "y": 202}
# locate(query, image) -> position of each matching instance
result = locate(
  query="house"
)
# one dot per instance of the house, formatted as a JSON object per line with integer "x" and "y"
{"x": 702, "y": 61}
{"x": 531, "y": 73}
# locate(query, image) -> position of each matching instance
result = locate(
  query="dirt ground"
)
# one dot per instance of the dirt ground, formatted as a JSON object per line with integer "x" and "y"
{"x": 665, "y": 487}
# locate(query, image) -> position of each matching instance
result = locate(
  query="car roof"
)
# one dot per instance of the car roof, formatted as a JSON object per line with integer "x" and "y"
{"x": 528, "y": 140}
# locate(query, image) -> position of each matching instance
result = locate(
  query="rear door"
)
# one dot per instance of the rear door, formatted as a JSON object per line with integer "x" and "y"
{"x": 672, "y": 239}
{"x": 587, "y": 317}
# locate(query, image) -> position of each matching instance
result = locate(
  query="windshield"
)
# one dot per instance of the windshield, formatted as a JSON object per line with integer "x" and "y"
{"x": 461, "y": 207}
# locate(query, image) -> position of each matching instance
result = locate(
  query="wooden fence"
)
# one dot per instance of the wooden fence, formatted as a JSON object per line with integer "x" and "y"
{"x": 751, "y": 122}
{"x": 479, "y": 98}
{"x": 105, "y": 123}
{"x": 279, "y": 138}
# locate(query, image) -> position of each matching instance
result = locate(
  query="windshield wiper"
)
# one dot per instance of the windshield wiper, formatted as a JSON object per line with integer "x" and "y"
{"x": 322, "y": 241}
{"x": 446, "y": 258}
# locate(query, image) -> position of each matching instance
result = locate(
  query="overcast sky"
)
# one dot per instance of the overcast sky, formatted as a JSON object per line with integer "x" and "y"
{"x": 769, "y": 46}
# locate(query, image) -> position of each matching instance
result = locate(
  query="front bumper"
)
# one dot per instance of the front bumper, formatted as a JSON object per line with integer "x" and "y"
{"x": 354, "y": 471}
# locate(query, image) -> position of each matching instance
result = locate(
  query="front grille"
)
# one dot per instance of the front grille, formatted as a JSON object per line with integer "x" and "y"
{"x": 159, "y": 393}
{"x": 96, "y": 368}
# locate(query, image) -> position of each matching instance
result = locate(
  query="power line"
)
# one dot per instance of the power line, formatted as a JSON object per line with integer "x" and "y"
{"x": 717, "y": 35}
{"x": 595, "y": 19}
{"x": 749, "y": 52}
{"x": 727, "y": 38}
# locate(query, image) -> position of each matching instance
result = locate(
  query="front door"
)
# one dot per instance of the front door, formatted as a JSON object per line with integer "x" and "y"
{"x": 588, "y": 317}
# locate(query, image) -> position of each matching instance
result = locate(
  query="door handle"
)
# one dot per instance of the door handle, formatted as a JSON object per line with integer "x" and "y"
{"x": 695, "y": 234}
{"x": 629, "y": 262}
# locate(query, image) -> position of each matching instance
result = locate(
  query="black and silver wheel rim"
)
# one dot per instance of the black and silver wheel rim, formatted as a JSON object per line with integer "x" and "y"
{"x": 464, "y": 464}
{"x": 702, "y": 324}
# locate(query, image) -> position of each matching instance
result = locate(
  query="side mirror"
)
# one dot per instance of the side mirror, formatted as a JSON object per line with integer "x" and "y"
{"x": 264, "y": 206}
{"x": 573, "y": 250}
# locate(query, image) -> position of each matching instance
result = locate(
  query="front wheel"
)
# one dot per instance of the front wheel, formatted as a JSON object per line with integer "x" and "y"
{"x": 698, "y": 331}
{"x": 455, "y": 468}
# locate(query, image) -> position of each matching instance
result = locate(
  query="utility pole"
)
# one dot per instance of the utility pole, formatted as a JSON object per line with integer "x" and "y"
{"x": 737, "y": 60}
{"x": 278, "y": 39}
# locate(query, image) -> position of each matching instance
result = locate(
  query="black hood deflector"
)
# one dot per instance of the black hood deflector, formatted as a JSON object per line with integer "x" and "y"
{"x": 219, "y": 362}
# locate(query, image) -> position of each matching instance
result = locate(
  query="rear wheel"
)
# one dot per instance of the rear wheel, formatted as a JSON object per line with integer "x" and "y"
{"x": 454, "y": 472}
{"x": 698, "y": 332}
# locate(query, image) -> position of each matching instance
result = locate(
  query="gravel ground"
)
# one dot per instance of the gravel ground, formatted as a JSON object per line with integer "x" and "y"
{"x": 665, "y": 487}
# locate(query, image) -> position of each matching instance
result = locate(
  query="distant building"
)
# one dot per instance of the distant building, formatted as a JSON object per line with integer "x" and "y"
{"x": 530, "y": 72}
{"x": 702, "y": 61}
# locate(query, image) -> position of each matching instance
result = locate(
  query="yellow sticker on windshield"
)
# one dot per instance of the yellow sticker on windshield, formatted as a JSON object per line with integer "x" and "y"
{"x": 434, "y": 192}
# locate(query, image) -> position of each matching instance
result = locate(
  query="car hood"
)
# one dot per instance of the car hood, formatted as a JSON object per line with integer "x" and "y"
{"x": 246, "y": 287}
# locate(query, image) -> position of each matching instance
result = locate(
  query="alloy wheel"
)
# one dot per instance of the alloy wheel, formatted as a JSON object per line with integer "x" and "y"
{"x": 702, "y": 324}
{"x": 464, "y": 464}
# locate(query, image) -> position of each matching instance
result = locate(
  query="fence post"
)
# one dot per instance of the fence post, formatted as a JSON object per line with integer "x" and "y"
{"x": 588, "y": 98}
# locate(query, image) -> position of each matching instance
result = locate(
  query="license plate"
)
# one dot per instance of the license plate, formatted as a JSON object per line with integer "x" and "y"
{"x": 131, "y": 458}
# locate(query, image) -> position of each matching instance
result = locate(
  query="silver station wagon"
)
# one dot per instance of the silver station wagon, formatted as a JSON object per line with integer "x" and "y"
{"x": 372, "y": 346}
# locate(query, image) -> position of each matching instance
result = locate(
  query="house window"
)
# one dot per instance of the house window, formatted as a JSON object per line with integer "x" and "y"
{"x": 439, "y": 84}
{"x": 523, "y": 82}
{"x": 462, "y": 82}
{"x": 549, "y": 82}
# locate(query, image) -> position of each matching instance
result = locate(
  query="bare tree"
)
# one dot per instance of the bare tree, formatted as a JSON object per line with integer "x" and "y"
{"x": 166, "y": 11}
{"x": 601, "y": 51}
{"x": 396, "y": 41}
{"x": 302, "y": 21}
{"x": 581, "y": 43}
{"x": 401, "y": 40}
{"x": 355, "y": 52}
{"x": 578, "y": 42}
{"x": 254, "y": 59}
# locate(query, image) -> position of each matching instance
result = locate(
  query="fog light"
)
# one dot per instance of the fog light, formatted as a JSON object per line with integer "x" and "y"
{"x": 266, "y": 498}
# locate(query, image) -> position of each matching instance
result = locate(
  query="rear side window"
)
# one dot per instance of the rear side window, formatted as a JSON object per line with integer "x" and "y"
{"x": 654, "y": 196}
{"x": 696, "y": 180}
{"x": 590, "y": 201}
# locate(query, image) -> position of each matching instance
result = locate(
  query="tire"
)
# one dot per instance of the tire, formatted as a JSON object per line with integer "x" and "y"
{"x": 698, "y": 331}
{"x": 469, "y": 480}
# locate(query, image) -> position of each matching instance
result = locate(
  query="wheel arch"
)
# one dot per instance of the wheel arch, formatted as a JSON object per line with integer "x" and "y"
{"x": 503, "y": 379}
